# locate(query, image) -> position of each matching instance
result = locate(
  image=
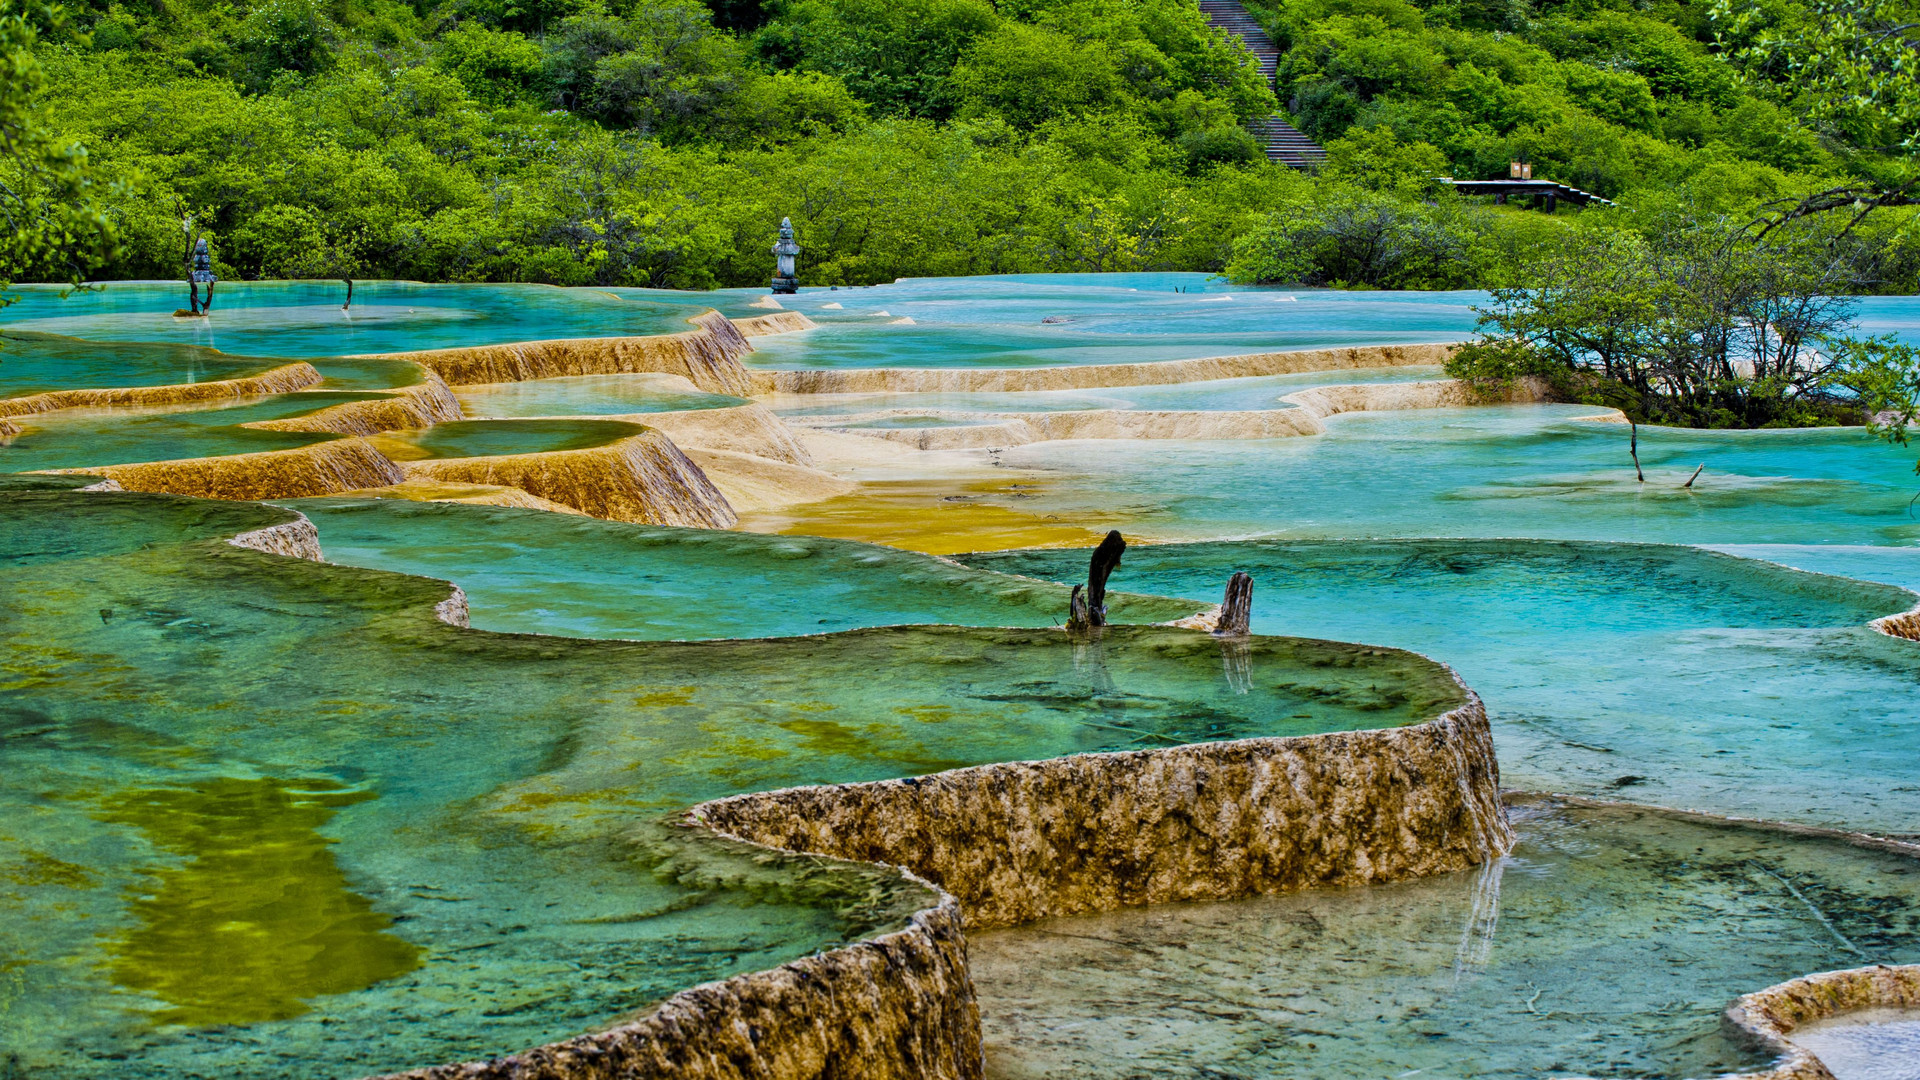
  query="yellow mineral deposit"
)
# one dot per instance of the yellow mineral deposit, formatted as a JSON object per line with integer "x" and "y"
{"x": 642, "y": 478}
{"x": 279, "y": 380}
{"x": 327, "y": 468}
{"x": 422, "y": 405}
{"x": 709, "y": 356}
{"x": 248, "y": 915}
{"x": 932, "y": 516}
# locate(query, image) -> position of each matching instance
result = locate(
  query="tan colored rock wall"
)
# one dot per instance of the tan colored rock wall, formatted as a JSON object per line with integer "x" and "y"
{"x": 1904, "y": 625}
{"x": 642, "y": 478}
{"x": 753, "y": 483}
{"x": 743, "y": 429}
{"x": 295, "y": 539}
{"x": 1311, "y": 407}
{"x": 1769, "y": 1016}
{"x": 422, "y": 405}
{"x": 1091, "y": 376}
{"x": 709, "y": 356}
{"x": 898, "y": 1006}
{"x": 327, "y": 468}
{"x": 279, "y": 380}
{"x": 782, "y": 322}
{"x": 1019, "y": 841}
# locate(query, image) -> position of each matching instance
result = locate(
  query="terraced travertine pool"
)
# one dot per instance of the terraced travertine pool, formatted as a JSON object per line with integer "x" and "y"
{"x": 265, "y": 816}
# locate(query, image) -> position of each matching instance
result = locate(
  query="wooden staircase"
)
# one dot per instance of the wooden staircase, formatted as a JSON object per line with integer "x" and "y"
{"x": 1284, "y": 143}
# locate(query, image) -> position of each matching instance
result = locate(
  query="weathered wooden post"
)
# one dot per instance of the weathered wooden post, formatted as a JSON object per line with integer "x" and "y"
{"x": 784, "y": 278}
{"x": 1090, "y": 609}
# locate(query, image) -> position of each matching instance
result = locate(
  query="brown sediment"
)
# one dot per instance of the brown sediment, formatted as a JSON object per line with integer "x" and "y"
{"x": 327, "y": 468}
{"x": 708, "y": 356}
{"x": 755, "y": 484}
{"x": 1092, "y": 376}
{"x": 1769, "y": 1017}
{"x": 280, "y": 380}
{"x": 643, "y": 478}
{"x": 1311, "y": 407}
{"x": 783, "y": 322}
{"x": 1018, "y": 841}
{"x": 8, "y": 429}
{"x": 294, "y": 539}
{"x": 423, "y": 404}
{"x": 742, "y": 429}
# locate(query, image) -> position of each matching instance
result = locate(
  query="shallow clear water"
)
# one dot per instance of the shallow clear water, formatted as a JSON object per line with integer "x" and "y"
{"x": 1606, "y": 945}
{"x": 1260, "y": 392}
{"x": 304, "y": 319}
{"x": 1099, "y": 319}
{"x": 193, "y": 731}
{"x": 1497, "y": 471}
{"x": 75, "y": 438}
{"x": 493, "y": 438}
{"x": 533, "y": 572}
{"x": 33, "y": 364}
{"x": 1871, "y": 1044}
{"x": 591, "y": 395}
{"x": 1665, "y": 675}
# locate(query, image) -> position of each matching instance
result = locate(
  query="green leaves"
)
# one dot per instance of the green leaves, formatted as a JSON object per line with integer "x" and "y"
{"x": 51, "y": 228}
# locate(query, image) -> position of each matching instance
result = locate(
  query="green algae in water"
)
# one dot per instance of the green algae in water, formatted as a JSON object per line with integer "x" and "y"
{"x": 258, "y": 917}
{"x": 1606, "y": 945}
{"x": 526, "y": 571}
{"x": 519, "y": 776}
{"x": 495, "y": 438}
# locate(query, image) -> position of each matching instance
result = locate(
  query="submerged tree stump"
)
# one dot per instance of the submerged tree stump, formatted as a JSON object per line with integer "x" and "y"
{"x": 1089, "y": 610}
{"x": 1236, "y": 611}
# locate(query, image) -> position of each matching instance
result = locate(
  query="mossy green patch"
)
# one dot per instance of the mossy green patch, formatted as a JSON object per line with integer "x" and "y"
{"x": 258, "y": 917}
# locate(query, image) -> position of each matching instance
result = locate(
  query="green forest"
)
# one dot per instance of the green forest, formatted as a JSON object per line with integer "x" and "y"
{"x": 659, "y": 142}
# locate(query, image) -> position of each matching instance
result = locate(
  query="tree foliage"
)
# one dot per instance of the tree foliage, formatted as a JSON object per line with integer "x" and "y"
{"x": 53, "y": 229}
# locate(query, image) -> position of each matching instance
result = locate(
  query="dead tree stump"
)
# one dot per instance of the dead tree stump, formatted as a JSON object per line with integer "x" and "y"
{"x": 1091, "y": 609}
{"x": 1236, "y": 611}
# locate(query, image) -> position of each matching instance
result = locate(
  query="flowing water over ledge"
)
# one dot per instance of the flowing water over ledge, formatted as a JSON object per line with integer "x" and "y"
{"x": 456, "y": 820}
{"x": 1607, "y": 945}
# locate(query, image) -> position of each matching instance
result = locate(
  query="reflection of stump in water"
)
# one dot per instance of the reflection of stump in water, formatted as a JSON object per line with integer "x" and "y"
{"x": 1236, "y": 659}
{"x": 1090, "y": 661}
{"x": 1236, "y": 614}
{"x": 1091, "y": 609}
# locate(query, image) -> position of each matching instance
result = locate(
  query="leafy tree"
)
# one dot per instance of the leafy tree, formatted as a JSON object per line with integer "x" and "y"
{"x": 54, "y": 228}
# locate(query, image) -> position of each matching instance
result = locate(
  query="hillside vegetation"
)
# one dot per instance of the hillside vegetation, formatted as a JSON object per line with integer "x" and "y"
{"x": 658, "y": 142}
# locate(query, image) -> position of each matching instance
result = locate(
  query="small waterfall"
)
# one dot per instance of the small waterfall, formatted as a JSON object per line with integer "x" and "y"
{"x": 280, "y": 380}
{"x": 743, "y": 429}
{"x": 709, "y": 356}
{"x": 322, "y": 469}
{"x": 643, "y": 478}
{"x": 422, "y": 405}
{"x": 780, "y": 322}
{"x": 1093, "y": 376}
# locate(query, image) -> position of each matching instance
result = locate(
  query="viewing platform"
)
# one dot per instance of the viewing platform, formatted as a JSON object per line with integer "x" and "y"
{"x": 1546, "y": 194}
